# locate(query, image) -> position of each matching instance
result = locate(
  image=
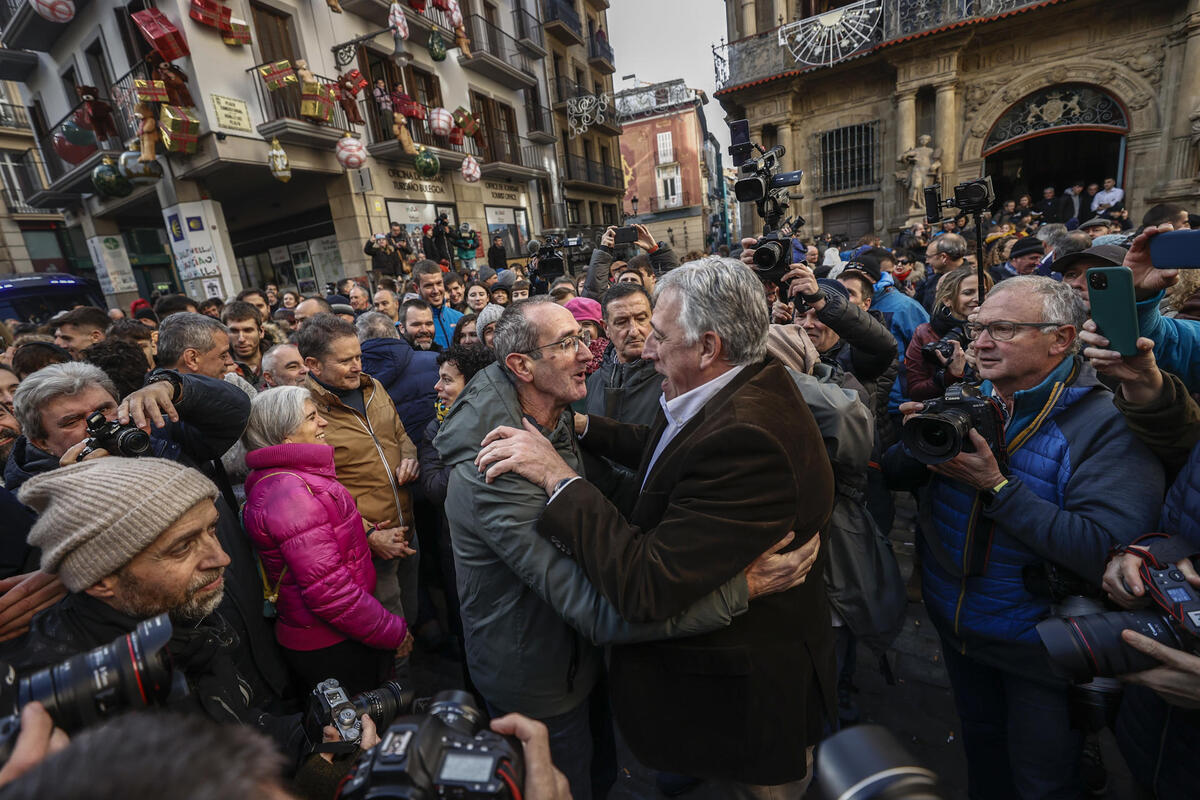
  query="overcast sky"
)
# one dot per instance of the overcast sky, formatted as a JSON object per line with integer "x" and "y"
{"x": 660, "y": 40}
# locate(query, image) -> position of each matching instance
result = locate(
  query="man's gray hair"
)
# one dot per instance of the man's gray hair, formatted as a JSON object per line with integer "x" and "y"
{"x": 274, "y": 413}
{"x": 56, "y": 380}
{"x": 271, "y": 358}
{"x": 951, "y": 245}
{"x": 375, "y": 325}
{"x": 186, "y": 331}
{"x": 1052, "y": 234}
{"x": 1060, "y": 303}
{"x": 723, "y": 296}
{"x": 515, "y": 332}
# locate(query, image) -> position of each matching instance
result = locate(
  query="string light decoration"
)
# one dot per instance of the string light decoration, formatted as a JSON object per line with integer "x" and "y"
{"x": 828, "y": 38}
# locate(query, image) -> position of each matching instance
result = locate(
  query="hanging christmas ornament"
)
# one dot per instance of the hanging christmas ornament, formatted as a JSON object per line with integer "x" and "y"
{"x": 137, "y": 171}
{"x": 69, "y": 151}
{"x": 462, "y": 41}
{"x": 350, "y": 153}
{"x": 440, "y": 121}
{"x": 437, "y": 45}
{"x": 470, "y": 170}
{"x": 54, "y": 10}
{"x": 455, "y": 13}
{"x": 109, "y": 181}
{"x": 277, "y": 160}
{"x": 75, "y": 132}
{"x": 426, "y": 163}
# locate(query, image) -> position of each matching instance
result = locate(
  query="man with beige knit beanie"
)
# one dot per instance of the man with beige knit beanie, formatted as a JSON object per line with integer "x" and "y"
{"x": 132, "y": 538}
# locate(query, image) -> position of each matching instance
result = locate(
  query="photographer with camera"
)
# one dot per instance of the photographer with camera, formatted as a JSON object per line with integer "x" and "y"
{"x": 660, "y": 256}
{"x": 1056, "y": 484}
{"x": 937, "y": 354}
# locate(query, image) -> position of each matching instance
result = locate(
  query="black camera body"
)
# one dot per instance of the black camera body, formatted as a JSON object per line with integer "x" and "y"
{"x": 942, "y": 429}
{"x": 117, "y": 439}
{"x": 448, "y": 752}
{"x": 971, "y": 197}
{"x": 330, "y": 705}
{"x": 131, "y": 672}
{"x": 550, "y": 261}
{"x": 760, "y": 182}
{"x": 773, "y": 257}
{"x": 952, "y": 330}
{"x": 1088, "y": 646}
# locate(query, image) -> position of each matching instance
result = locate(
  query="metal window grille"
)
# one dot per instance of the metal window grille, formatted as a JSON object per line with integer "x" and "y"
{"x": 850, "y": 158}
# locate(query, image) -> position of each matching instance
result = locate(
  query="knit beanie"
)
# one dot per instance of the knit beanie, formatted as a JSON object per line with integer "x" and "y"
{"x": 486, "y": 273}
{"x": 488, "y": 315}
{"x": 95, "y": 516}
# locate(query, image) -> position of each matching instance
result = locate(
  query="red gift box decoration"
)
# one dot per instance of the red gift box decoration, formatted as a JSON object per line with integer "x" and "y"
{"x": 237, "y": 34}
{"x": 164, "y": 37}
{"x": 150, "y": 91}
{"x": 444, "y": 5}
{"x": 357, "y": 79}
{"x": 418, "y": 5}
{"x": 211, "y": 13}
{"x": 456, "y": 135}
{"x": 278, "y": 74}
{"x": 465, "y": 120}
{"x": 407, "y": 106}
{"x": 316, "y": 102}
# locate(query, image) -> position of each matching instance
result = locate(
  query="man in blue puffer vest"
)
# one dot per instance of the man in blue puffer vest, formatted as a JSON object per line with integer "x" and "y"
{"x": 1077, "y": 483}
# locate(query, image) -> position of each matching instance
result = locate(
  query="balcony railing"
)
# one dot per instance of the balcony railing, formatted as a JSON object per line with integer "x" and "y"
{"x": 668, "y": 201}
{"x": 490, "y": 39}
{"x": 600, "y": 50}
{"x": 539, "y": 121}
{"x": 14, "y": 201}
{"x": 761, "y": 56}
{"x": 62, "y": 154}
{"x": 579, "y": 168}
{"x": 554, "y": 215}
{"x": 529, "y": 29}
{"x": 512, "y": 149}
{"x": 563, "y": 89}
{"x": 8, "y": 10}
{"x": 123, "y": 97}
{"x": 379, "y": 127}
{"x": 13, "y": 116}
{"x": 284, "y": 103}
{"x": 559, "y": 15}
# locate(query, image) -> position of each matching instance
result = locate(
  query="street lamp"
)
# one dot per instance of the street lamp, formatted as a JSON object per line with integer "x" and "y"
{"x": 634, "y": 202}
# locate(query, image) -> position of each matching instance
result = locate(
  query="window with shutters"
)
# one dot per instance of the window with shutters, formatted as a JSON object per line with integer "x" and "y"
{"x": 499, "y": 122}
{"x": 274, "y": 34}
{"x": 669, "y": 195}
{"x": 424, "y": 86}
{"x": 666, "y": 151}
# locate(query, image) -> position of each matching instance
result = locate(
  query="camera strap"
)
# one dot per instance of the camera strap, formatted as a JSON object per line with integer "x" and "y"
{"x": 1158, "y": 550}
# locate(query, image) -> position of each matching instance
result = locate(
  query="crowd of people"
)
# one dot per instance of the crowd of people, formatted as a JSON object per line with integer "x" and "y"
{"x": 645, "y": 507}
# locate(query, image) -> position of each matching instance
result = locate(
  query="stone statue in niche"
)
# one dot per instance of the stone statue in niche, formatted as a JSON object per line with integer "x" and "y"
{"x": 924, "y": 163}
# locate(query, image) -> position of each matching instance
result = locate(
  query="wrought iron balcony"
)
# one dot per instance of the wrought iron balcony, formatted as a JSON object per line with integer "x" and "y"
{"x": 852, "y": 29}
{"x": 420, "y": 23}
{"x": 600, "y": 55}
{"x": 667, "y": 202}
{"x": 25, "y": 29}
{"x": 13, "y": 116}
{"x": 578, "y": 169}
{"x": 495, "y": 55}
{"x": 384, "y": 144}
{"x": 561, "y": 21}
{"x": 563, "y": 89}
{"x": 529, "y": 33}
{"x": 509, "y": 156}
{"x": 540, "y": 123}
{"x": 281, "y": 115}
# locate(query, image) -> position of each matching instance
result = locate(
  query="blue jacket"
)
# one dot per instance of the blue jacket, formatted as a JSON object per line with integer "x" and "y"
{"x": 1176, "y": 341}
{"x": 903, "y": 315}
{"x": 408, "y": 376}
{"x": 1080, "y": 482}
{"x": 444, "y": 320}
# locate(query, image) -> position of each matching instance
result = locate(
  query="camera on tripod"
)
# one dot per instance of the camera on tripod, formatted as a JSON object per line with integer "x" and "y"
{"x": 972, "y": 197}
{"x": 119, "y": 440}
{"x": 127, "y": 674}
{"x": 549, "y": 257}
{"x": 760, "y": 182}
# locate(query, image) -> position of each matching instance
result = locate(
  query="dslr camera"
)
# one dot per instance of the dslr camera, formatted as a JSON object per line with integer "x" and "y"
{"x": 550, "y": 261}
{"x": 945, "y": 346}
{"x": 1087, "y": 646}
{"x": 119, "y": 440}
{"x": 447, "y": 752}
{"x": 972, "y": 197}
{"x": 331, "y": 706}
{"x": 759, "y": 181}
{"x": 127, "y": 674}
{"x": 943, "y": 428}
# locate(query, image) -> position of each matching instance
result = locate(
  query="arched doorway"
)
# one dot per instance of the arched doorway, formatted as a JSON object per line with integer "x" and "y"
{"x": 1055, "y": 136}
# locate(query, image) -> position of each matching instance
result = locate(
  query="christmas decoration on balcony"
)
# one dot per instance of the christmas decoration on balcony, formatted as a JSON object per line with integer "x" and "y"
{"x": 139, "y": 171}
{"x": 150, "y": 91}
{"x": 437, "y": 45}
{"x": 303, "y": 73}
{"x": 400, "y": 131}
{"x": 417, "y": 5}
{"x": 277, "y": 161}
{"x": 440, "y": 122}
{"x": 54, "y": 10}
{"x": 466, "y": 120}
{"x": 316, "y": 101}
{"x": 828, "y": 38}
{"x": 164, "y": 37}
{"x": 277, "y": 75}
{"x": 454, "y": 11}
{"x": 237, "y": 34}
{"x": 348, "y": 86}
{"x": 108, "y": 180}
{"x": 75, "y": 130}
{"x": 462, "y": 41}
{"x": 350, "y": 152}
{"x": 211, "y": 13}
{"x": 402, "y": 103}
{"x": 398, "y": 25}
{"x": 456, "y": 135}
{"x": 69, "y": 151}
{"x": 334, "y": 6}
{"x": 470, "y": 170}
{"x": 174, "y": 79}
{"x": 96, "y": 114}
{"x": 147, "y": 131}
{"x": 585, "y": 111}
{"x": 426, "y": 163}
{"x": 179, "y": 129}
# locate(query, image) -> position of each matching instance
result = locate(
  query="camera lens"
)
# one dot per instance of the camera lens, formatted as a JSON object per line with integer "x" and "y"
{"x": 767, "y": 254}
{"x": 456, "y": 709}
{"x": 383, "y": 704}
{"x": 934, "y": 438}
{"x": 131, "y": 672}
{"x": 132, "y": 442}
{"x": 867, "y": 763}
{"x": 1097, "y": 280}
{"x": 1082, "y": 648}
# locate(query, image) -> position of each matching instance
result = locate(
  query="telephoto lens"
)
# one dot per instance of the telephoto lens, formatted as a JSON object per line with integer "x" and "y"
{"x": 384, "y": 704}
{"x": 866, "y": 762}
{"x": 1086, "y": 647}
{"x": 767, "y": 254}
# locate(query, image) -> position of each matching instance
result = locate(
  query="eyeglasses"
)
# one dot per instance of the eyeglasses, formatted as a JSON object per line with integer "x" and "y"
{"x": 1003, "y": 330}
{"x": 567, "y": 344}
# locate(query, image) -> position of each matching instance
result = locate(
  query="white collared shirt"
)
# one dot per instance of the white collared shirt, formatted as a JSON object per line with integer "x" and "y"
{"x": 679, "y": 412}
{"x": 1109, "y": 197}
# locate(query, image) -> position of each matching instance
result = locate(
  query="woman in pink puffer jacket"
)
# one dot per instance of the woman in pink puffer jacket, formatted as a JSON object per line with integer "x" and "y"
{"x": 306, "y": 528}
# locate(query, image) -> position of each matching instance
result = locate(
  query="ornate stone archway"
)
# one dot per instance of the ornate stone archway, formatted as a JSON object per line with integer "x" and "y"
{"x": 1063, "y": 106}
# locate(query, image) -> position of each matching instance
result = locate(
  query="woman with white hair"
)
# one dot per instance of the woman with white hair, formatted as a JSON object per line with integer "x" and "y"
{"x": 313, "y": 546}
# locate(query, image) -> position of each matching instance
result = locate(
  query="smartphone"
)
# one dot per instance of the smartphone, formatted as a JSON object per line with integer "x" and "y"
{"x": 1176, "y": 250}
{"x": 626, "y": 235}
{"x": 1110, "y": 292}
{"x": 740, "y": 147}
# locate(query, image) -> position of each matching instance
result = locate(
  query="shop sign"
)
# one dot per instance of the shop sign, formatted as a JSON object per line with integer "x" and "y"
{"x": 501, "y": 192}
{"x": 113, "y": 271}
{"x": 191, "y": 242}
{"x": 231, "y": 113}
{"x": 408, "y": 183}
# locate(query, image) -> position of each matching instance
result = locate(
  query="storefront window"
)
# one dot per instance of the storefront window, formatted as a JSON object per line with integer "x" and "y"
{"x": 510, "y": 223}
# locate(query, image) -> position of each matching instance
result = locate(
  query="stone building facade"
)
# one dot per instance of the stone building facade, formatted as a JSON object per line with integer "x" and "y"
{"x": 1033, "y": 93}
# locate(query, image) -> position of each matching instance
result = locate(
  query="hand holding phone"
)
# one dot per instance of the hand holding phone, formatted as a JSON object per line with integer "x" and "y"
{"x": 1114, "y": 309}
{"x": 626, "y": 235}
{"x": 1176, "y": 250}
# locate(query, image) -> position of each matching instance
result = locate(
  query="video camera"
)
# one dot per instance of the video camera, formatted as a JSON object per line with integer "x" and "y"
{"x": 972, "y": 197}
{"x": 549, "y": 257}
{"x": 127, "y": 674}
{"x": 943, "y": 428}
{"x": 760, "y": 182}
{"x": 119, "y": 440}
{"x": 447, "y": 752}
